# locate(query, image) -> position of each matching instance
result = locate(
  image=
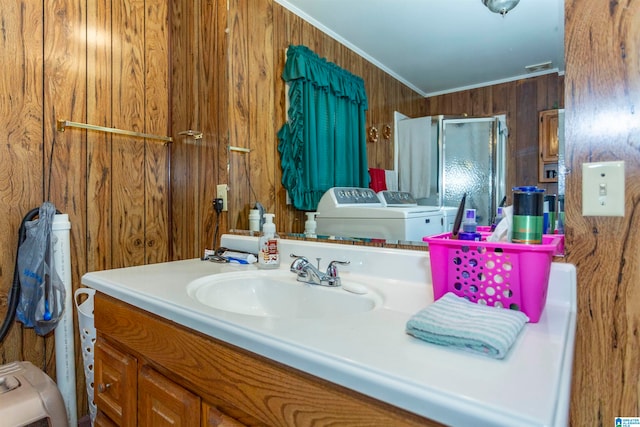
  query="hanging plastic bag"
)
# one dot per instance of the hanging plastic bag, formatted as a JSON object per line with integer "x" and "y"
{"x": 42, "y": 292}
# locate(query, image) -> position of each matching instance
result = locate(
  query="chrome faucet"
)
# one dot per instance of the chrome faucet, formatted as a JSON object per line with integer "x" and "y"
{"x": 307, "y": 273}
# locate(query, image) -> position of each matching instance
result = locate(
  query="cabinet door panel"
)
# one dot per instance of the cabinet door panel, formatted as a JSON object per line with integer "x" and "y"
{"x": 115, "y": 384}
{"x": 164, "y": 403}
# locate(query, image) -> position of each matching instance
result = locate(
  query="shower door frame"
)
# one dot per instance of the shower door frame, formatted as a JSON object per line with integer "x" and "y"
{"x": 498, "y": 157}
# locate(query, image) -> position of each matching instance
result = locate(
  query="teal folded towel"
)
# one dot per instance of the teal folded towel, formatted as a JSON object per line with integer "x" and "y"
{"x": 455, "y": 322}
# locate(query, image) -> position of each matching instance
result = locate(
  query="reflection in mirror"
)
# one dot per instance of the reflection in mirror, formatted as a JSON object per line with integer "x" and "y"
{"x": 519, "y": 100}
{"x": 462, "y": 155}
{"x": 472, "y": 162}
{"x": 439, "y": 160}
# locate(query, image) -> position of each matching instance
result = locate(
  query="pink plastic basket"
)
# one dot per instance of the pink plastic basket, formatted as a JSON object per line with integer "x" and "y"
{"x": 509, "y": 275}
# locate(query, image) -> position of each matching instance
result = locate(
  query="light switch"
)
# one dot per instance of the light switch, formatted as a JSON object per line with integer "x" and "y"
{"x": 603, "y": 189}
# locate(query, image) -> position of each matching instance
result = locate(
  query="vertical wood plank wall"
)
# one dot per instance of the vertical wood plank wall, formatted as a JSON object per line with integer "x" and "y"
{"x": 199, "y": 89}
{"x": 21, "y": 149}
{"x": 602, "y": 50}
{"x": 99, "y": 62}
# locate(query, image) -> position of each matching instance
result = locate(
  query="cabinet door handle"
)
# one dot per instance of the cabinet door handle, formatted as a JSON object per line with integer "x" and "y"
{"x": 103, "y": 387}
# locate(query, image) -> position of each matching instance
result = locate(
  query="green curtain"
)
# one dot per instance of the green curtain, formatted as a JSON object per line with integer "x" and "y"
{"x": 323, "y": 144}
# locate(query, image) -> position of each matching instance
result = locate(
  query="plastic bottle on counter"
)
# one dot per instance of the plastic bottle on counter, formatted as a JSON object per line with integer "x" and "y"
{"x": 469, "y": 227}
{"x": 310, "y": 225}
{"x": 498, "y": 218}
{"x": 268, "y": 250}
{"x": 550, "y": 224}
{"x": 254, "y": 220}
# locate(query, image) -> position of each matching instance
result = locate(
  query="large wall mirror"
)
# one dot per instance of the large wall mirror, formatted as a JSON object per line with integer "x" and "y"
{"x": 523, "y": 119}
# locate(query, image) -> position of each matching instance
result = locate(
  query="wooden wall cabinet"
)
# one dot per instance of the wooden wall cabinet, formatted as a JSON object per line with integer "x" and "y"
{"x": 548, "y": 146}
{"x": 177, "y": 376}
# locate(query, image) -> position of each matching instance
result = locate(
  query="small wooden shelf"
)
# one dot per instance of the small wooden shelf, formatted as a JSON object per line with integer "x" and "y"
{"x": 548, "y": 146}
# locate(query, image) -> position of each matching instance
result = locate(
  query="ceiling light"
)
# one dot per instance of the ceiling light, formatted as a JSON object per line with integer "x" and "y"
{"x": 500, "y": 6}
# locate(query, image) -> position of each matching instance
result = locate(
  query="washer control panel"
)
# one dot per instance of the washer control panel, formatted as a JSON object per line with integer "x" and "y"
{"x": 355, "y": 196}
{"x": 397, "y": 198}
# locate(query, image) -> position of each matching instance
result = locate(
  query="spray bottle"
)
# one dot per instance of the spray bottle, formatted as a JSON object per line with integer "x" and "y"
{"x": 268, "y": 251}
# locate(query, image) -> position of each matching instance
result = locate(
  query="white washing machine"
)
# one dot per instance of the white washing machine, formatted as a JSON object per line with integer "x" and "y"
{"x": 29, "y": 398}
{"x": 388, "y": 215}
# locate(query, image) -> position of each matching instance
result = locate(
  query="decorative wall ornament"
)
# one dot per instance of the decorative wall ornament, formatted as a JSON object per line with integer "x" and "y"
{"x": 372, "y": 134}
{"x": 386, "y": 132}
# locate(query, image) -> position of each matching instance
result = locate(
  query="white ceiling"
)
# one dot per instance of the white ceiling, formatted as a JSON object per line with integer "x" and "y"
{"x": 440, "y": 46}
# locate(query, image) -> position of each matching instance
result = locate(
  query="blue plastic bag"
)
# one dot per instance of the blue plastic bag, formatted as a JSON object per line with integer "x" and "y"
{"x": 42, "y": 292}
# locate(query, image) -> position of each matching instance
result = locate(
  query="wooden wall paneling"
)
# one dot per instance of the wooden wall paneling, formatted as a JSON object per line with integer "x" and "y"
{"x": 222, "y": 96}
{"x": 239, "y": 120}
{"x": 602, "y": 47}
{"x": 186, "y": 180}
{"x": 21, "y": 143}
{"x": 99, "y": 173}
{"x": 507, "y": 93}
{"x": 65, "y": 62}
{"x": 184, "y": 78}
{"x": 212, "y": 94}
{"x": 527, "y": 141}
{"x": 264, "y": 169}
{"x": 281, "y": 40}
{"x": 99, "y": 110}
{"x": 129, "y": 152}
{"x": 376, "y": 155}
{"x": 156, "y": 121}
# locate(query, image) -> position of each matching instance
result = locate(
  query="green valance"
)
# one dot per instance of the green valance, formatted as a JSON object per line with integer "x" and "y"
{"x": 323, "y": 144}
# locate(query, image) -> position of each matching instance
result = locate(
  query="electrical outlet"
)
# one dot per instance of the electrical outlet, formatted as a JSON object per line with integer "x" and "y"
{"x": 222, "y": 194}
{"x": 603, "y": 189}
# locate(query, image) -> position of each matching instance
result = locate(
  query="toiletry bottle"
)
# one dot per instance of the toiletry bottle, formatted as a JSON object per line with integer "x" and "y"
{"x": 268, "y": 251}
{"x": 310, "y": 225}
{"x": 498, "y": 218}
{"x": 254, "y": 220}
{"x": 551, "y": 223}
{"x": 545, "y": 216}
{"x": 469, "y": 227}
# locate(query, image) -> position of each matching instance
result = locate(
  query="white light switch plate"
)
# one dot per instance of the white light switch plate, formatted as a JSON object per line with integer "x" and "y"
{"x": 603, "y": 189}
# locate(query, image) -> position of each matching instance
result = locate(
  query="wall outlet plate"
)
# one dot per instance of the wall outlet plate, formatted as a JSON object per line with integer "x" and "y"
{"x": 603, "y": 189}
{"x": 222, "y": 194}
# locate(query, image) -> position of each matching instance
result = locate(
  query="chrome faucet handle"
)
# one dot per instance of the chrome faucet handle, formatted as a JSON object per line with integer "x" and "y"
{"x": 332, "y": 268}
{"x": 298, "y": 265}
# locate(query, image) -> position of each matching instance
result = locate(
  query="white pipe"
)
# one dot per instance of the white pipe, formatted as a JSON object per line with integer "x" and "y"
{"x": 65, "y": 349}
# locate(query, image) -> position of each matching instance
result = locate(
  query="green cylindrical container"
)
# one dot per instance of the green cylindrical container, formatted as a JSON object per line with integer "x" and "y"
{"x": 528, "y": 215}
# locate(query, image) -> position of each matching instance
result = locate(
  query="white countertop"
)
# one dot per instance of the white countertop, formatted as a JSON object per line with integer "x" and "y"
{"x": 370, "y": 352}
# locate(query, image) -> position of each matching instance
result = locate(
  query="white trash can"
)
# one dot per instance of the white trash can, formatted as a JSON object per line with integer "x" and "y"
{"x": 87, "y": 341}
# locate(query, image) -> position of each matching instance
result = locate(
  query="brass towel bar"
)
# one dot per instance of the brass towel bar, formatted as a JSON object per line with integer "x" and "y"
{"x": 62, "y": 124}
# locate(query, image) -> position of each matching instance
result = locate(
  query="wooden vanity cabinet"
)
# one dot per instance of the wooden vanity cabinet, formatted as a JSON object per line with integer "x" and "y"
{"x": 177, "y": 376}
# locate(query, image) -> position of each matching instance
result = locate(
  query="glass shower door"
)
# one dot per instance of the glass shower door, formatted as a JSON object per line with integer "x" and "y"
{"x": 472, "y": 164}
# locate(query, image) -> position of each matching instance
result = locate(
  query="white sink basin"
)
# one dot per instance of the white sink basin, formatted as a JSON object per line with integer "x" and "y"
{"x": 277, "y": 294}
